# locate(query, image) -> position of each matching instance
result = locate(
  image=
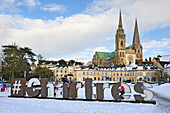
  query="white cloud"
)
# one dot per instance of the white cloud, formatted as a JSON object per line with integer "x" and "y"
{"x": 145, "y": 50}
{"x": 163, "y": 43}
{"x": 7, "y": 5}
{"x": 59, "y": 37}
{"x": 53, "y": 8}
{"x": 101, "y": 49}
{"x": 31, "y": 3}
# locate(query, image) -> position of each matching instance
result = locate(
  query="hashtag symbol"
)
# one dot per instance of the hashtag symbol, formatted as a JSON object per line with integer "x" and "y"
{"x": 16, "y": 87}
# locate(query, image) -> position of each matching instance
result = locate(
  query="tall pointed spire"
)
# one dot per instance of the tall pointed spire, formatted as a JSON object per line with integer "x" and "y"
{"x": 136, "y": 39}
{"x": 120, "y": 21}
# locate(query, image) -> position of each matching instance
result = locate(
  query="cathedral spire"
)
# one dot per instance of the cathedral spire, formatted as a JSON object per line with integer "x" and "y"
{"x": 136, "y": 39}
{"x": 120, "y": 21}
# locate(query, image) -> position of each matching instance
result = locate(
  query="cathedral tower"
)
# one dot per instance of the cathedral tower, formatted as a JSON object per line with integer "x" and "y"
{"x": 136, "y": 43}
{"x": 120, "y": 43}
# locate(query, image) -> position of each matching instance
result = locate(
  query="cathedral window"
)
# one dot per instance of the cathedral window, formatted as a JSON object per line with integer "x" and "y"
{"x": 121, "y": 43}
{"x": 123, "y": 54}
{"x": 100, "y": 61}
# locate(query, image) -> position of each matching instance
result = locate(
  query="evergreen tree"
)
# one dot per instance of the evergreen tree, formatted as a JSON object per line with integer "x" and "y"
{"x": 42, "y": 72}
{"x": 62, "y": 62}
{"x": 15, "y": 60}
{"x": 71, "y": 62}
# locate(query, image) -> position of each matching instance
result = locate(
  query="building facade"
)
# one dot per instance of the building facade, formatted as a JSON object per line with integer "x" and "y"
{"x": 122, "y": 55}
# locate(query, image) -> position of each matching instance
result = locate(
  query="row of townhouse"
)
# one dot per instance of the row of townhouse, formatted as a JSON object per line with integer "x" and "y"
{"x": 79, "y": 73}
{"x": 116, "y": 75}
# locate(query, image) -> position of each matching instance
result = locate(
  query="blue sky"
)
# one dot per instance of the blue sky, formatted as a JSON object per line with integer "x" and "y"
{"x": 75, "y": 29}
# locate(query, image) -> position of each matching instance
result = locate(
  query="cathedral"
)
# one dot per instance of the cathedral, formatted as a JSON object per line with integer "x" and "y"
{"x": 122, "y": 55}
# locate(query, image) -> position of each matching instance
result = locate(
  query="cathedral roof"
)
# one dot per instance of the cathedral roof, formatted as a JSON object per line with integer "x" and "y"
{"x": 112, "y": 54}
{"x": 106, "y": 54}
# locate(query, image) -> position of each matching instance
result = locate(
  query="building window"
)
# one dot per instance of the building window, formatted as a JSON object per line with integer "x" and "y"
{"x": 124, "y": 74}
{"x": 106, "y": 73}
{"x": 94, "y": 78}
{"x": 56, "y": 75}
{"x": 139, "y": 73}
{"x": 147, "y": 73}
{"x": 56, "y": 71}
{"x": 117, "y": 78}
{"x": 99, "y": 78}
{"x": 98, "y": 73}
{"x": 87, "y": 73}
{"x": 143, "y": 73}
{"x": 117, "y": 74}
{"x": 61, "y": 71}
{"x": 110, "y": 73}
{"x": 90, "y": 73}
{"x": 155, "y": 73}
{"x": 65, "y": 71}
{"x": 61, "y": 75}
{"x": 94, "y": 73}
{"x": 113, "y": 74}
{"x": 114, "y": 78}
{"x": 102, "y": 73}
{"x": 135, "y": 73}
{"x": 83, "y": 73}
{"x": 120, "y": 74}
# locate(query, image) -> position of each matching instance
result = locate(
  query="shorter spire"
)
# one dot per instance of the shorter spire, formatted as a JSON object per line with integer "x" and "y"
{"x": 136, "y": 39}
{"x": 120, "y": 21}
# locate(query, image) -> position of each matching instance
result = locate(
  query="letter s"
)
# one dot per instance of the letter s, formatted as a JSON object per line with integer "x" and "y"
{"x": 138, "y": 88}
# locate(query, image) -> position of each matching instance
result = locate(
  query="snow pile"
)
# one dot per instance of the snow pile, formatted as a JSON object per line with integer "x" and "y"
{"x": 162, "y": 90}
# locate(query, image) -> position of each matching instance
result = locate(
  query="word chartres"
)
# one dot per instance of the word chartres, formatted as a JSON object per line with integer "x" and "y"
{"x": 18, "y": 88}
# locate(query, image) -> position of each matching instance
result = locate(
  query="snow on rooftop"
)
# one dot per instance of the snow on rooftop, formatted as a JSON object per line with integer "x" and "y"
{"x": 140, "y": 68}
{"x": 168, "y": 65}
{"x": 52, "y": 68}
{"x": 133, "y": 65}
{"x": 165, "y": 58}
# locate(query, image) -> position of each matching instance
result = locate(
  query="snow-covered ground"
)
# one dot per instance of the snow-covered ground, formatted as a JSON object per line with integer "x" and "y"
{"x": 21, "y": 105}
{"x": 162, "y": 90}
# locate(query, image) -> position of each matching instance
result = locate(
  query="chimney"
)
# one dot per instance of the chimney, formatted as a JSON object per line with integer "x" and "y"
{"x": 146, "y": 60}
{"x": 149, "y": 59}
